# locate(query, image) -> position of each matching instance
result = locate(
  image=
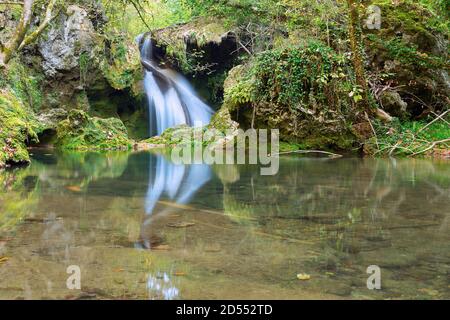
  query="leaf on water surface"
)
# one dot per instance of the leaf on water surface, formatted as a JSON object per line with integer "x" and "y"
{"x": 181, "y": 224}
{"x": 119, "y": 270}
{"x": 179, "y": 274}
{"x": 3, "y": 259}
{"x": 73, "y": 188}
{"x": 162, "y": 247}
{"x": 303, "y": 276}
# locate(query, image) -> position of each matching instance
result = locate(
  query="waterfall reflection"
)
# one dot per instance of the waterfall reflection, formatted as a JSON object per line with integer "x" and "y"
{"x": 178, "y": 182}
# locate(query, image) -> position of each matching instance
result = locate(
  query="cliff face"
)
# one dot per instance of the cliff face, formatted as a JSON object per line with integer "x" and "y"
{"x": 72, "y": 66}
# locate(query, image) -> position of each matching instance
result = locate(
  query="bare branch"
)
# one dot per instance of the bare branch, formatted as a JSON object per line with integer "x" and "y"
{"x": 11, "y": 3}
{"x": 48, "y": 18}
{"x": 18, "y": 36}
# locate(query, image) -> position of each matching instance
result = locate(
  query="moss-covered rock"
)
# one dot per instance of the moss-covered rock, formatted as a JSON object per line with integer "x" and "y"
{"x": 18, "y": 126}
{"x": 410, "y": 52}
{"x": 121, "y": 65}
{"x": 301, "y": 90}
{"x": 81, "y": 132}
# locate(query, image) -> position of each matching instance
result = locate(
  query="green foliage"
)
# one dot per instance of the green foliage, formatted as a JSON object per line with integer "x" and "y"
{"x": 81, "y": 132}
{"x": 404, "y": 138}
{"x": 297, "y": 77}
{"x": 408, "y": 54}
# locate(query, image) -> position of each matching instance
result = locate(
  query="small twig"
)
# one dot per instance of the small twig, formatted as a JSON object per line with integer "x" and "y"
{"x": 373, "y": 129}
{"x": 429, "y": 124}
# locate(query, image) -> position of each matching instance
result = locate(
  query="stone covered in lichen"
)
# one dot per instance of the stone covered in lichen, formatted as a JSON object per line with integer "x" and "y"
{"x": 17, "y": 127}
{"x": 82, "y": 132}
{"x": 409, "y": 55}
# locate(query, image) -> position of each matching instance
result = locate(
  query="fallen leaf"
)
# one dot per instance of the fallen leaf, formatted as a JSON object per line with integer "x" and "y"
{"x": 179, "y": 274}
{"x": 74, "y": 188}
{"x": 303, "y": 276}
{"x": 119, "y": 270}
{"x": 181, "y": 224}
{"x": 3, "y": 259}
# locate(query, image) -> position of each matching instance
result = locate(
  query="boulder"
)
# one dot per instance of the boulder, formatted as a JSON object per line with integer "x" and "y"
{"x": 82, "y": 132}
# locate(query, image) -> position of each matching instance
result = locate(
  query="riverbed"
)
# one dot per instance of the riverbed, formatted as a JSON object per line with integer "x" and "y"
{"x": 140, "y": 227}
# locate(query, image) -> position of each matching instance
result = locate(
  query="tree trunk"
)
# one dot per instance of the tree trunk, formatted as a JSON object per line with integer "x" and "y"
{"x": 357, "y": 52}
{"x": 13, "y": 44}
{"x": 20, "y": 39}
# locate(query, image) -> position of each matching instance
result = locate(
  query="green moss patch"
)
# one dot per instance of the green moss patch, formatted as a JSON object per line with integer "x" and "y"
{"x": 18, "y": 126}
{"x": 81, "y": 132}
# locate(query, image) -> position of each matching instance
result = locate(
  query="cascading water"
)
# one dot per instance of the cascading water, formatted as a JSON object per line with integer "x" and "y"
{"x": 172, "y": 100}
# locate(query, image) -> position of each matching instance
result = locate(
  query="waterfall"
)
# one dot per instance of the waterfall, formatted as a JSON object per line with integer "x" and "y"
{"x": 171, "y": 99}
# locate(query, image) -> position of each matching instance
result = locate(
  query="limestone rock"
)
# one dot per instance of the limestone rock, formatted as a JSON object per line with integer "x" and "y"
{"x": 66, "y": 40}
{"x": 393, "y": 104}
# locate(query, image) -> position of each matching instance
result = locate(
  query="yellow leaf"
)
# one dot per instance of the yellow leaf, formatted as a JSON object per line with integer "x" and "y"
{"x": 3, "y": 259}
{"x": 303, "y": 276}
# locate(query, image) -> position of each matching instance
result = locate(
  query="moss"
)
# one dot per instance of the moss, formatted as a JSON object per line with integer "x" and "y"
{"x": 81, "y": 132}
{"x": 222, "y": 121}
{"x": 17, "y": 127}
{"x": 121, "y": 66}
{"x": 24, "y": 82}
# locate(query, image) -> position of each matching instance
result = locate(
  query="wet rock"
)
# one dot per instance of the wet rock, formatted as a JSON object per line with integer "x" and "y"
{"x": 393, "y": 104}
{"x": 49, "y": 119}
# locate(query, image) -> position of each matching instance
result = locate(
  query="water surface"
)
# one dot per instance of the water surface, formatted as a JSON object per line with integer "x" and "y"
{"x": 140, "y": 227}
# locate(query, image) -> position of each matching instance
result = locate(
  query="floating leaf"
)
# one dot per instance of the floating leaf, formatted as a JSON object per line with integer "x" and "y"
{"x": 74, "y": 188}
{"x": 3, "y": 259}
{"x": 303, "y": 276}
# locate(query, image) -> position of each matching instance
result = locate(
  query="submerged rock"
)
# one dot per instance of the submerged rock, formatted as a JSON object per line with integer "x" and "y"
{"x": 82, "y": 132}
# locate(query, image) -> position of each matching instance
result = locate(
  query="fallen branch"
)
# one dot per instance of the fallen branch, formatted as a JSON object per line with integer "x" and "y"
{"x": 333, "y": 155}
{"x": 11, "y": 3}
{"x": 434, "y": 144}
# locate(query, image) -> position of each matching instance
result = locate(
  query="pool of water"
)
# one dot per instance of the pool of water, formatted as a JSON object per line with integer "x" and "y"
{"x": 140, "y": 227}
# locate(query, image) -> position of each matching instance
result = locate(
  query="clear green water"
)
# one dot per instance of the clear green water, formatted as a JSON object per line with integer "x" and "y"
{"x": 141, "y": 228}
